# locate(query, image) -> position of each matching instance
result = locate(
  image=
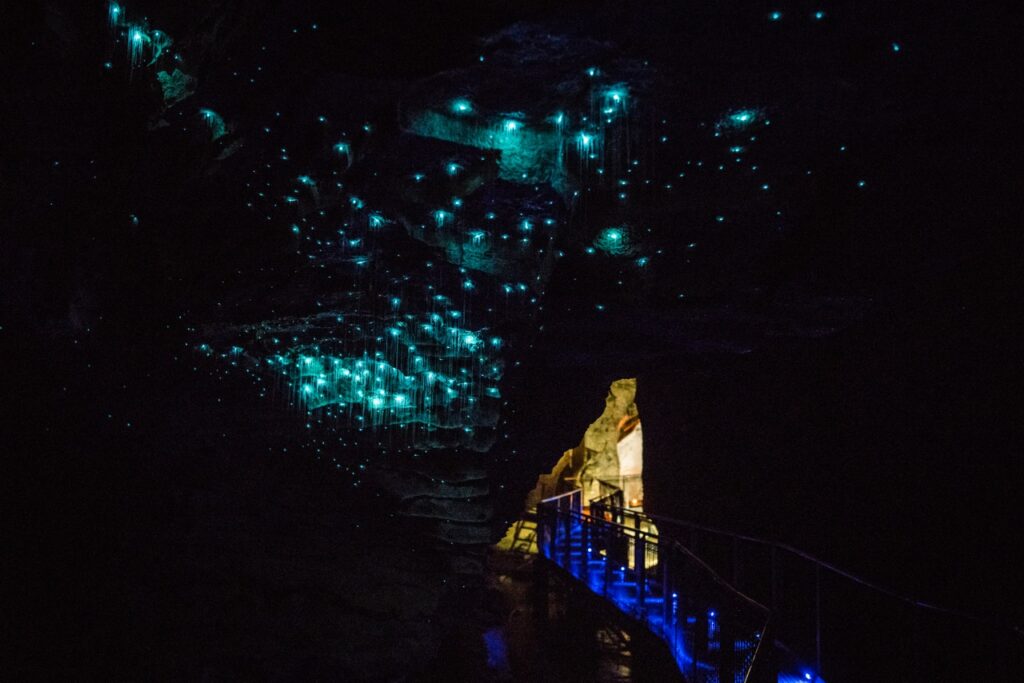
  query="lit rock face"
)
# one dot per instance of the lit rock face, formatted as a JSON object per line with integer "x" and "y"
{"x": 611, "y": 451}
{"x": 601, "y": 440}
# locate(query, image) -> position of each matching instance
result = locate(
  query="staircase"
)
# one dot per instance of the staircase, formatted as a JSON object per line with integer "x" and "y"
{"x": 714, "y": 632}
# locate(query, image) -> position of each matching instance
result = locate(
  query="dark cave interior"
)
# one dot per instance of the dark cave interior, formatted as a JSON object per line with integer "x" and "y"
{"x": 797, "y": 233}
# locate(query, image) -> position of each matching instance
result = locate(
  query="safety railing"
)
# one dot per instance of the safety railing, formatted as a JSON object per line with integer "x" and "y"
{"x": 828, "y": 623}
{"x": 609, "y": 496}
{"x": 714, "y": 632}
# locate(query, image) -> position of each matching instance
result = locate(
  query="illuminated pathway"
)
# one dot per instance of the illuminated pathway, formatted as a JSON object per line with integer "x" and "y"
{"x": 663, "y": 577}
{"x": 664, "y": 586}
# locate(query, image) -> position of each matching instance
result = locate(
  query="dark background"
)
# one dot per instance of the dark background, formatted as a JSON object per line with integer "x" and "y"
{"x": 890, "y": 446}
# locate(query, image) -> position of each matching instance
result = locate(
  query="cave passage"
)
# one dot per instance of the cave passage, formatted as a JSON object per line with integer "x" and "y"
{"x": 305, "y": 304}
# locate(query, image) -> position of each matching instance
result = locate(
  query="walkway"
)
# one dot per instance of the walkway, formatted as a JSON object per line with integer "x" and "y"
{"x": 722, "y": 630}
{"x": 714, "y": 632}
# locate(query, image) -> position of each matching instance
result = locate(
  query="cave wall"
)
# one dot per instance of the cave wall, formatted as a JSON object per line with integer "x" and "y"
{"x": 601, "y": 440}
{"x": 131, "y": 275}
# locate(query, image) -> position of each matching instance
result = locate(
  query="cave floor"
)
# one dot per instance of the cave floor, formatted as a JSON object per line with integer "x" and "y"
{"x": 560, "y": 645}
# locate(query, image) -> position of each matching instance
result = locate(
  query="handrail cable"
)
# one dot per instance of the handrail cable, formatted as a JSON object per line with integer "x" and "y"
{"x": 941, "y": 609}
{"x": 678, "y": 546}
{"x": 1017, "y": 630}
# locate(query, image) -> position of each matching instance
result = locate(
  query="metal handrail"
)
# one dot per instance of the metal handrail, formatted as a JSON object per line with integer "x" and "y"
{"x": 718, "y": 578}
{"x": 633, "y": 531}
{"x": 867, "y": 583}
{"x": 559, "y": 517}
{"x": 609, "y": 512}
{"x": 758, "y": 652}
{"x": 609, "y": 485}
{"x": 613, "y": 492}
{"x": 567, "y": 494}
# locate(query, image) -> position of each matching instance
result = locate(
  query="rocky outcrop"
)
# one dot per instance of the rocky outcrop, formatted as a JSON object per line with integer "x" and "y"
{"x": 601, "y": 440}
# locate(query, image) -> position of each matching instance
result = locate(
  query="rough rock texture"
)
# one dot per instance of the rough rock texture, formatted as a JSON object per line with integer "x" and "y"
{"x": 601, "y": 439}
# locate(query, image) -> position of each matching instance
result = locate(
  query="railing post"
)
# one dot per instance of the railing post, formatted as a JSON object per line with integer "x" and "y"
{"x": 700, "y": 635}
{"x": 915, "y": 642}
{"x": 540, "y": 565}
{"x": 607, "y": 559}
{"x": 775, "y": 594}
{"x": 817, "y": 620}
{"x": 765, "y": 667}
{"x": 726, "y": 646}
{"x": 736, "y": 563}
{"x": 540, "y": 572}
{"x": 551, "y": 525}
{"x": 639, "y": 566}
{"x": 567, "y": 551}
{"x": 666, "y": 588}
{"x": 773, "y": 588}
{"x": 542, "y": 530}
{"x": 584, "y": 544}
